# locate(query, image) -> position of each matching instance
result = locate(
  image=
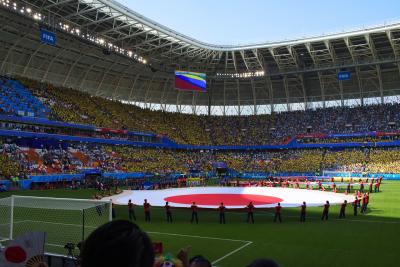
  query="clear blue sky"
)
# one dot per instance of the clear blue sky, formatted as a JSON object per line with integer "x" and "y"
{"x": 251, "y": 21}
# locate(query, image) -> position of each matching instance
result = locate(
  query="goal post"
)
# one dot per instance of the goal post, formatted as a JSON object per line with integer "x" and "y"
{"x": 64, "y": 220}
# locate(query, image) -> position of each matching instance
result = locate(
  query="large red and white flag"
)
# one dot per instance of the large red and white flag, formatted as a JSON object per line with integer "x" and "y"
{"x": 26, "y": 250}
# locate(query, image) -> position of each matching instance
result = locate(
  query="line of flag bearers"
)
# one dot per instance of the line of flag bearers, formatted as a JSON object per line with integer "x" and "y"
{"x": 360, "y": 202}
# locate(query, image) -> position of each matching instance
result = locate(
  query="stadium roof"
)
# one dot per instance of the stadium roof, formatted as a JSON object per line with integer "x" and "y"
{"x": 109, "y": 50}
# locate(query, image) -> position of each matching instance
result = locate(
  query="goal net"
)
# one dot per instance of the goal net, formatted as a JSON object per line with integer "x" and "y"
{"x": 64, "y": 220}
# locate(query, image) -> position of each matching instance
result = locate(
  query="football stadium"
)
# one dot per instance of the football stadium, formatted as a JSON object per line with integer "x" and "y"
{"x": 127, "y": 143}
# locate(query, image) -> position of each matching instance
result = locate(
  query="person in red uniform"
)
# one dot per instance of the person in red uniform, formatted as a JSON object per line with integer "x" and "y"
{"x": 131, "y": 211}
{"x": 194, "y": 213}
{"x": 325, "y": 212}
{"x": 222, "y": 209}
{"x": 342, "y": 213}
{"x": 355, "y": 206}
{"x": 168, "y": 212}
{"x": 364, "y": 203}
{"x": 146, "y": 206}
{"x": 278, "y": 209}
{"x": 303, "y": 212}
{"x": 370, "y": 186}
{"x": 250, "y": 211}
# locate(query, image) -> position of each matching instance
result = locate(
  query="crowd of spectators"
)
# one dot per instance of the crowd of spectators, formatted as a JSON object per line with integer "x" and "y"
{"x": 20, "y": 161}
{"x": 78, "y": 107}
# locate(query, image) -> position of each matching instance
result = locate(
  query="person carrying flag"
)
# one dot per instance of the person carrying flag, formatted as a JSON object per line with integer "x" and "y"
{"x": 168, "y": 212}
{"x": 222, "y": 209}
{"x": 146, "y": 206}
{"x": 342, "y": 213}
{"x": 131, "y": 211}
{"x": 355, "y": 206}
{"x": 278, "y": 209}
{"x": 303, "y": 212}
{"x": 194, "y": 213}
{"x": 250, "y": 211}
{"x": 325, "y": 212}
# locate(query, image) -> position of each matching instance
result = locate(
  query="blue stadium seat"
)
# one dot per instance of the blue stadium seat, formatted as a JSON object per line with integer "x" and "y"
{"x": 15, "y": 99}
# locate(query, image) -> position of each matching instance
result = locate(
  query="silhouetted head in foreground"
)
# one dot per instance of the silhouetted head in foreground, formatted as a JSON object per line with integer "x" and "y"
{"x": 199, "y": 261}
{"x": 117, "y": 243}
{"x": 263, "y": 263}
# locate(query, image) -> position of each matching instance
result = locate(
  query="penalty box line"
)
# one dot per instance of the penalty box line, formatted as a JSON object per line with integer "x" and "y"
{"x": 246, "y": 242}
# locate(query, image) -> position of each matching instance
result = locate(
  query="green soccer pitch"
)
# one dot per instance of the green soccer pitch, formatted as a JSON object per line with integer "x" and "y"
{"x": 366, "y": 240}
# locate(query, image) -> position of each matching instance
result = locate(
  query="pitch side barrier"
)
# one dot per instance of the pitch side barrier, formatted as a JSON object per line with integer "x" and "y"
{"x": 54, "y": 178}
{"x": 60, "y": 124}
{"x": 168, "y": 144}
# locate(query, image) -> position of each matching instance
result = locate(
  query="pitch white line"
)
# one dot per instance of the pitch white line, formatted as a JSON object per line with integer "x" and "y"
{"x": 202, "y": 237}
{"x": 66, "y": 224}
{"x": 232, "y": 252}
{"x": 247, "y": 243}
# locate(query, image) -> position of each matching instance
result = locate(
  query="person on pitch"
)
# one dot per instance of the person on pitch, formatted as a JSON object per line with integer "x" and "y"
{"x": 131, "y": 211}
{"x": 168, "y": 212}
{"x": 113, "y": 212}
{"x": 325, "y": 212}
{"x": 194, "y": 213}
{"x": 146, "y": 206}
{"x": 348, "y": 188}
{"x": 303, "y": 212}
{"x": 342, "y": 213}
{"x": 355, "y": 206}
{"x": 366, "y": 201}
{"x": 222, "y": 210}
{"x": 278, "y": 209}
{"x": 250, "y": 211}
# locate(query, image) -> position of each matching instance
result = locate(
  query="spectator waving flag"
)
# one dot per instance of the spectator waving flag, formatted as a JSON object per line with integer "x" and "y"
{"x": 25, "y": 250}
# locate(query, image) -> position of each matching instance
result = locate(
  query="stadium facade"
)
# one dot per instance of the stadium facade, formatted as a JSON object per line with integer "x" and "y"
{"x": 108, "y": 50}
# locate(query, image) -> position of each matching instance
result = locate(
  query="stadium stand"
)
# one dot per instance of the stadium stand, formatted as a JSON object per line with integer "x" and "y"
{"x": 22, "y": 157}
{"x": 15, "y": 99}
{"x": 279, "y": 128}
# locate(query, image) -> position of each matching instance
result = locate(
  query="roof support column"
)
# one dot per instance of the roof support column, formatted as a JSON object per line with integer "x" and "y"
{"x": 86, "y": 73}
{"x": 254, "y": 96}
{"x": 379, "y": 72}
{"x": 30, "y": 59}
{"x": 102, "y": 79}
{"x": 10, "y": 50}
{"x": 286, "y": 86}
{"x": 360, "y": 85}
{"x": 340, "y": 82}
{"x": 162, "y": 100}
{"x": 238, "y": 95}
{"x": 133, "y": 87}
{"x": 322, "y": 85}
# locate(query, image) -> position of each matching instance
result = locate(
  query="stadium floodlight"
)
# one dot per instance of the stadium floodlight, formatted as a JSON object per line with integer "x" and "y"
{"x": 64, "y": 220}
